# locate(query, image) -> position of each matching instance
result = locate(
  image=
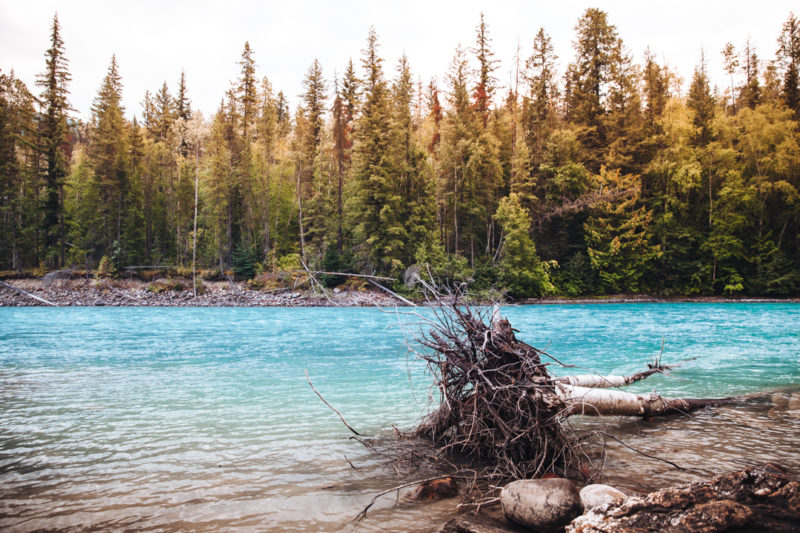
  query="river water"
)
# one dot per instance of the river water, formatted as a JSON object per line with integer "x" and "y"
{"x": 202, "y": 419}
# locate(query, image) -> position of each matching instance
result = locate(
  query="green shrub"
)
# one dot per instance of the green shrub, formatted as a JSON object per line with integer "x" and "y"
{"x": 288, "y": 262}
{"x": 244, "y": 261}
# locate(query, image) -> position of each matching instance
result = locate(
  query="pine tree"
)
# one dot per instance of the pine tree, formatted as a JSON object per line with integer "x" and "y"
{"x": 523, "y": 273}
{"x": 617, "y": 235}
{"x": 247, "y": 90}
{"x": 376, "y": 213}
{"x": 20, "y": 176}
{"x": 435, "y": 112}
{"x": 164, "y": 114}
{"x": 107, "y": 153}
{"x": 485, "y": 88}
{"x": 408, "y": 160}
{"x": 731, "y": 63}
{"x": 54, "y": 132}
{"x": 750, "y": 93}
{"x": 656, "y": 93}
{"x": 460, "y": 130}
{"x": 268, "y": 134}
{"x": 789, "y": 62}
{"x": 539, "y": 104}
{"x": 701, "y": 101}
{"x": 597, "y": 50}
{"x": 344, "y": 110}
{"x": 183, "y": 113}
{"x": 313, "y": 174}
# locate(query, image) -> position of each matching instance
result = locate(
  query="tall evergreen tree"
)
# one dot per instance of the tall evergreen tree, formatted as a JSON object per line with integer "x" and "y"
{"x": 107, "y": 153}
{"x": 54, "y": 132}
{"x": 750, "y": 93}
{"x": 539, "y": 104}
{"x": 789, "y": 61}
{"x": 701, "y": 101}
{"x": 247, "y": 90}
{"x": 313, "y": 172}
{"x": 597, "y": 49}
{"x": 731, "y": 63}
{"x": 183, "y": 112}
{"x": 376, "y": 210}
{"x": 486, "y": 83}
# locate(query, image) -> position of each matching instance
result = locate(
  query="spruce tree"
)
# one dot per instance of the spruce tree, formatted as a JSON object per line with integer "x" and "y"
{"x": 789, "y": 61}
{"x": 539, "y": 104}
{"x": 701, "y": 101}
{"x": 183, "y": 113}
{"x": 108, "y": 154}
{"x": 485, "y": 87}
{"x": 376, "y": 213}
{"x": 597, "y": 49}
{"x": 247, "y": 90}
{"x": 53, "y": 131}
{"x": 750, "y": 93}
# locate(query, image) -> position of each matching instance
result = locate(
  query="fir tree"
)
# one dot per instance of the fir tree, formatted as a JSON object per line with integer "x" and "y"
{"x": 597, "y": 50}
{"x": 789, "y": 61}
{"x": 485, "y": 87}
{"x": 107, "y": 153}
{"x": 701, "y": 101}
{"x": 54, "y": 131}
{"x": 376, "y": 213}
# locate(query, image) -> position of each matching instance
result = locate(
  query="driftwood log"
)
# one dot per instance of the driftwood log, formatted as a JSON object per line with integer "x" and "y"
{"x": 502, "y": 408}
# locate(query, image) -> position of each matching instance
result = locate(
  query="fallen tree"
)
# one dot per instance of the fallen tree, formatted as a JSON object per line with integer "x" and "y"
{"x": 500, "y": 406}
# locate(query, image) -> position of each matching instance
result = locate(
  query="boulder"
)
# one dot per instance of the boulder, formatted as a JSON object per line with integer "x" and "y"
{"x": 596, "y": 495}
{"x": 541, "y": 504}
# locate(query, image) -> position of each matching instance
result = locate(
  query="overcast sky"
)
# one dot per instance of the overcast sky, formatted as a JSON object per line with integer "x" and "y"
{"x": 155, "y": 39}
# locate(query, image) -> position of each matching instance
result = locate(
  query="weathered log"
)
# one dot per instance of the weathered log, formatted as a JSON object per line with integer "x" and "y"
{"x": 26, "y": 293}
{"x": 754, "y": 499}
{"x": 597, "y": 381}
{"x": 384, "y": 289}
{"x": 600, "y": 402}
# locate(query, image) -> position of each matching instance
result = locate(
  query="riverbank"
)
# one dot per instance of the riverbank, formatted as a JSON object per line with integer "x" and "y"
{"x": 177, "y": 293}
{"x": 90, "y": 292}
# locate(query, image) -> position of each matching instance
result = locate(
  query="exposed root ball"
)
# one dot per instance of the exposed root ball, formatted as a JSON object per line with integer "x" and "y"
{"x": 498, "y": 401}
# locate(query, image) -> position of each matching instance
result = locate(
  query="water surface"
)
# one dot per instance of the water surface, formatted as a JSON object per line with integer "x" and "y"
{"x": 195, "y": 418}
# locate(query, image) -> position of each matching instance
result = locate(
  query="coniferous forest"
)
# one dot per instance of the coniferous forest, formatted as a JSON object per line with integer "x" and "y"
{"x": 600, "y": 173}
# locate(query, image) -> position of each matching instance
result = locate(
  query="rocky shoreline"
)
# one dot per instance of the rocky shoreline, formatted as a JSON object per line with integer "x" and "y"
{"x": 765, "y": 498}
{"x": 136, "y": 293}
{"x": 90, "y": 292}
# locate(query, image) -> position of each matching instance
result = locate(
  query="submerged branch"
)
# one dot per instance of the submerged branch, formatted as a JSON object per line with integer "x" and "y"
{"x": 335, "y": 410}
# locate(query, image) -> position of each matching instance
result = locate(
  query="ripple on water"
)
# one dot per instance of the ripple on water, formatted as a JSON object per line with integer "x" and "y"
{"x": 202, "y": 419}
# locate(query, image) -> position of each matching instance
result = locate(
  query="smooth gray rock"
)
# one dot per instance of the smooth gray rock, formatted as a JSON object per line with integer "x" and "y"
{"x": 596, "y": 495}
{"x": 541, "y": 504}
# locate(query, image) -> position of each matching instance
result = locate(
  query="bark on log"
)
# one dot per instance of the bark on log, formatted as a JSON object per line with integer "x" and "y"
{"x": 596, "y": 381}
{"x": 26, "y": 293}
{"x": 598, "y": 402}
{"x": 754, "y": 499}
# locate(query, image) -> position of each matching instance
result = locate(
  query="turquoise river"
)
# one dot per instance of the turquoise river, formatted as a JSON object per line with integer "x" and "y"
{"x": 201, "y": 419}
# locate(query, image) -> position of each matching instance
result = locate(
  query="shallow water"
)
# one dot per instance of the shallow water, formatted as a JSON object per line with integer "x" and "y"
{"x": 173, "y": 419}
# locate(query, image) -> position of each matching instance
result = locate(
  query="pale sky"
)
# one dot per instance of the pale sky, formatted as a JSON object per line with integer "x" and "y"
{"x": 154, "y": 39}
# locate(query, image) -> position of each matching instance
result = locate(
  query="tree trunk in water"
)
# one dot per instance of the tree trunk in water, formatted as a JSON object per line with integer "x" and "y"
{"x": 593, "y": 402}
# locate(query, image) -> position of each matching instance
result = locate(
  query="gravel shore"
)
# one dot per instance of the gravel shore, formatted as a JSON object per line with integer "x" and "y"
{"x": 163, "y": 293}
{"x": 125, "y": 292}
